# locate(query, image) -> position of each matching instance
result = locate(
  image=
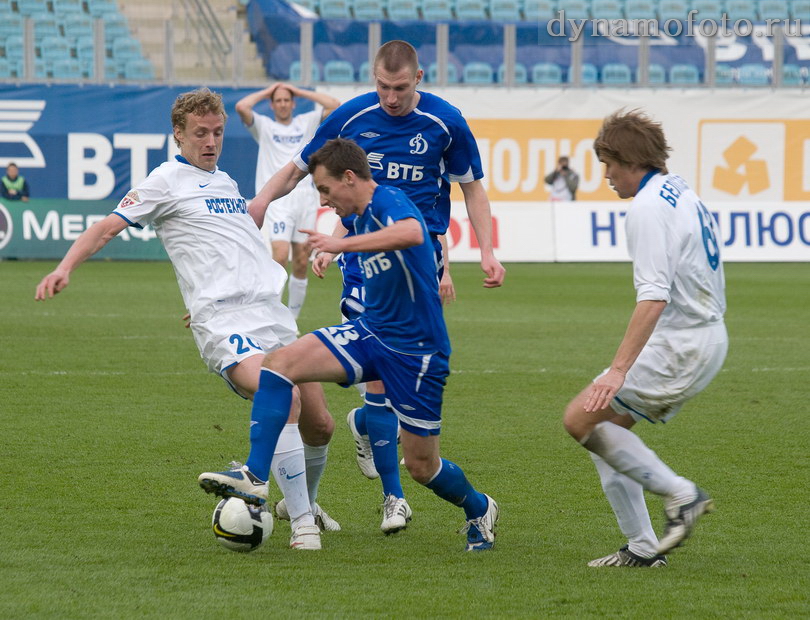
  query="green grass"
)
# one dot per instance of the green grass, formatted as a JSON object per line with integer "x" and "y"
{"x": 108, "y": 415}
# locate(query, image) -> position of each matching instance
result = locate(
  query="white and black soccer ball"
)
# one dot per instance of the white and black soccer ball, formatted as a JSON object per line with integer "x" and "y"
{"x": 239, "y": 526}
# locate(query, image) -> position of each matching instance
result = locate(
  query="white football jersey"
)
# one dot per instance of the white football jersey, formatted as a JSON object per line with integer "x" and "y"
{"x": 278, "y": 143}
{"x": 673, "y": 242}
{"x": 216, "y": 249}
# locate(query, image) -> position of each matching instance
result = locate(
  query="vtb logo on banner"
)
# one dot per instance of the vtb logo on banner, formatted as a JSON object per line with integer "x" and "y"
{"x": 16, "y": 119}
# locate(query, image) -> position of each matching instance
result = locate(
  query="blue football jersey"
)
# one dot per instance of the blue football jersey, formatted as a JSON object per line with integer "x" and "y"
{"x": 403, "y": 308}
{"x": 421, "y": 153}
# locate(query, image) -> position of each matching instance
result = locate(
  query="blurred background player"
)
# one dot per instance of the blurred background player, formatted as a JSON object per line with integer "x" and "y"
{"x": 674, "y": 345}
{"x": 419, "y": 143}
{"x": 400, "y": 338}
{"x": 279, "y": 139}
{"x": 230, "y": 285}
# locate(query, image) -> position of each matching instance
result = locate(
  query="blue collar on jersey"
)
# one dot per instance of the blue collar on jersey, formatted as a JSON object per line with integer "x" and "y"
{"x": 183, "y": 160}
{"x": 647, "y": 177}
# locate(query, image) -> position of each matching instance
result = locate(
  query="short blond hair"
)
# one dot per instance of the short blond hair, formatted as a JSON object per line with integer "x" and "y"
{"x": 632, "y": 138}
{"x": 395, "y": 56}
{"x": 197, "y": 102}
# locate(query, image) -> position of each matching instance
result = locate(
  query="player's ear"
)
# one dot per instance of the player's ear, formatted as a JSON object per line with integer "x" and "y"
{"x": 420, "y": 73}
{"x": 178, "y": 133}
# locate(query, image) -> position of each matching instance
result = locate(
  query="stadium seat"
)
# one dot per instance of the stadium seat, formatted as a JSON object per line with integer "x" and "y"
{"x": 538, "y": 10}
{"x": 30, "y": 7}
{"x": 369, "y": 10}
{"x": 11, "y": 24}
{"x": 723, "y": 74}
{"x": 574, "y": 9}
{"x": 504, "y": 10}
{"x": 640, "y": 9}
{"x": 607, "y": 9}
{"x": 477, "y": 73}
{"x": 85, "y": 47}
{"x": 125, "y": 49}
{"x": 471, "y": 9}
{"x": 792, "y": 75}
{"x": 400, "y": 10}
{"x": 616, "y": 73}
{"x": 99, "y": 8}
{"x": 139, "y": 69}
{"x": 115, "y": 27}
{"x": 742, "y": 9}
{"x": 335, "y": 9}
{"x": 521, "y": 75}
{"x": 590, "y": 74}
{"x": 437, "y": 10}
{"x": 546, "y": 73}
{"x": 753, "y": 74}
{"x": 684, "y": 75}
{"x": 656, "y": 74}
{"x": 433, "y": 73}
{"x": 800, "y": 9}
{"x": 64, "y": 8}
{"x": 45, "y": 25}
{"x": 672, "y": 9}
{"x": 311, "y": 5}
{"x": 14, "y": 47}
{"x": 338, "y": 71}
{"x": 67, "y": 69}
{"x": 773, "y": 9}
{"x": 295, "y": 71}
{"x": 78, "y": 25}
{"x": 707, "y": 9}
{"x": 5, "y": 69}
{"x": 54, "y": 48}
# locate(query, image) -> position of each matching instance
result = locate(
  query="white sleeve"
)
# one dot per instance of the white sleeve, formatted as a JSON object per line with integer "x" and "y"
{"x": 313, "y": 119}
{"x": 260, "y": 124}
{"x": 650, "y": 245}
{"x": 145, "y": 202}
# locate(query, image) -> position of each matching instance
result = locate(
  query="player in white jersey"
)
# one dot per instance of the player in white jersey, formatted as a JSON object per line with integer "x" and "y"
{"x": 230, "y": 285}
{"x": 674, "y": 345}
{"x": 279, "y": 139}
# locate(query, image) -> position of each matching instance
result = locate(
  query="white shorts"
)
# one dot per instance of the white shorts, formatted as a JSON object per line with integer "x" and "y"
{"x": 289, "y": 214}
{"x": 236, "y": 333}
{"x": 673, "y": 367}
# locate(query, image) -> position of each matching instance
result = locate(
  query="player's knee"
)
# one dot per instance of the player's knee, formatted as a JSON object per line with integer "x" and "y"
{"x": 421, "y": 470}
{"x": 573, "y": 422}
{"x": 316, "y": 426}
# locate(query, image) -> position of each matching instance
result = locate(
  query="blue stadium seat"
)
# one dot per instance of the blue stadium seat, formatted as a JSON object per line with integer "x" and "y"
{"x": 684, "y": 74}
{"x": 723, "y": 74}
{"x": 338, "y": 71}
{"x": 99, "y": 8}
{"x": 773, "y": 9}
{"x": 752, "y": 74}
{"x": 139, "y": 69}
{"x": 433, "y": 73}
{"x": 40, "y": 69}
{"x": 335, "y": 9}
{"x": 640, "y": 9}
{"x": 85, "y": 47}
{"x": 742, "y": 9}
{"x": 364, "y": 73}
{"x": 471, "y": 9}
{"x": 45, "y": 25}
{"x": 574, "y": 9}
{"x": 477, "y": 73}
{"x": 792, "y": 75}
{"x": 521, "y": 74}
{"x": 14, "y": 47}
{"x": 295, "y": 71}
{"x": 504, "y": 10}
{"x": 124, "y": 50}
{"x": 399, "y": 10}
{"x": 67, "y": 7}
{"x": 590, "y": 74}
{"x": 5, "y": 69}
{"x": 607, "y": 9}
{"x": 656, "y": 74}
{"x": 67, "y": 69}
{"x": 616, "y": 73}
{"x": 11, "y": 24}
{"x": 800, "y": 9}
{"x": 115, "y": 27}
{"x": 437, "y": 10}
{"x": 369, "y": 10}
{"x": 30, "y": 7}
{"x": 78, "y": 25}
{"x": 672, "y": 9}
{"x": 707, "y": 9}
{"x": 54, "y": 48}
{"x": 538, "y": 10}
{"x": 546, "y": 73}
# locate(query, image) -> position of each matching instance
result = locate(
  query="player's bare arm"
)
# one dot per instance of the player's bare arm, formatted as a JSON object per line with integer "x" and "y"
{"x": 244, "y": 107}
{"x": 447, "y": 291}
{"x": 328, "y": 103}
{"x": 639, "y": 329}
{"x": 322, "y": 260}
{"x": 480, "y": 214}
{"x": 88, "y": 243}
{"x": 400, "y": 235}
{"x": 280, "y": 184}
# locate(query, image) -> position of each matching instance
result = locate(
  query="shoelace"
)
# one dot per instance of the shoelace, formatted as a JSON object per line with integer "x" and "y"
{"x": 235, "y": 465}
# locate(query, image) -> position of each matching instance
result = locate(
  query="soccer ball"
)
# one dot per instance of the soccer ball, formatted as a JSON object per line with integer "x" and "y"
{"x": 239, "y": 526}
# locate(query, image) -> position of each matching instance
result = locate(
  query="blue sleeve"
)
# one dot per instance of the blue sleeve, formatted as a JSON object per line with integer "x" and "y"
{"x": 463, "y": 158}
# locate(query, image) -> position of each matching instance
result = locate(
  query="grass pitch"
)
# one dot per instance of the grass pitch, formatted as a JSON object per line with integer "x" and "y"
{"x": 108, "y": 416}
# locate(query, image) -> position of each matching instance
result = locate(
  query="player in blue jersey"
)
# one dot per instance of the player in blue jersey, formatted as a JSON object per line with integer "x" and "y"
{"x": 419, "y": 143}
{"x": 400, "y": 339}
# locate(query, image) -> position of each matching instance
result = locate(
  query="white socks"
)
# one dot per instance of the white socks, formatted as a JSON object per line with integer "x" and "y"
{"x": 296, "y": 293}
{"x": 289, "y": 470}
{"x": 626, "y": 497}
{"x": 316, "y": 462}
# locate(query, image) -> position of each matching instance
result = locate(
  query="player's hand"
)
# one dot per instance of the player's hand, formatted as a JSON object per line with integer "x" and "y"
{"x": 323, "y": 243}
{"x": 494, "y": 270}
{"x": 603, "y": 390}
{"x": 51, "y": 284}
{"x": 187, "y": 319}
{"x": 321, "y": 262}
{"x": 447, "y": 291}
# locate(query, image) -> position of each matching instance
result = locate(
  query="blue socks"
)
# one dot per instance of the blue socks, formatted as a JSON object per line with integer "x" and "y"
{"x": 382, "y": 426}
{"x": 452, "y": 485}
{"x": 271, "y": 408}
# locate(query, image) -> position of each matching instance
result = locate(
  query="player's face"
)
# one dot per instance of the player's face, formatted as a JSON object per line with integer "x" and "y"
{"x": 624, "y": 179}
{"x": 201, "y": 140}
{"x": 397, "y": 91}
{"x": 338, "y": 194}
{"x": 282, "y": 104}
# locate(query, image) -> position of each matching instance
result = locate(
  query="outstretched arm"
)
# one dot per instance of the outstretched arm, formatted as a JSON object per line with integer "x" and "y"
{"x": 280, "y": 184}
{"x": 88, "y": 243}
{"x": 327, "y": 102}
{"x": 480, "y": 216}
{"x": 398, "y": 236}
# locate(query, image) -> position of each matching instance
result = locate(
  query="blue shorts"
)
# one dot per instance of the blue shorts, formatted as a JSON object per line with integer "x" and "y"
{"x": 414, "y": 384}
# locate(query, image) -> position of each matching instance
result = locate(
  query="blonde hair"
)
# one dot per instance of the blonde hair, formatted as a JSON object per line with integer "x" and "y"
{"x": 198, "y": 102}
{"x": 632, "y": 138}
